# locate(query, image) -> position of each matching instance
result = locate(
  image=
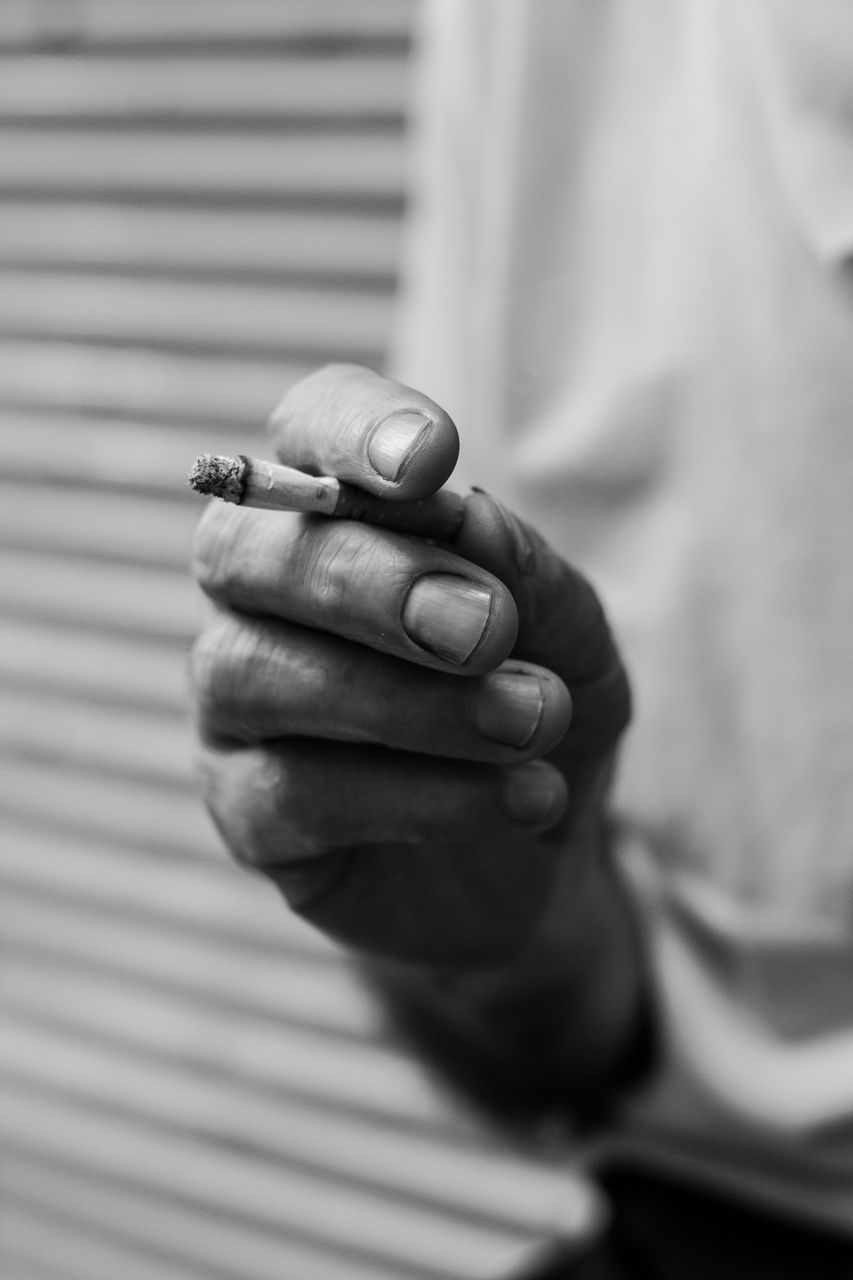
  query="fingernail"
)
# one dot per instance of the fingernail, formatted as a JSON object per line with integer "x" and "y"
{"x": 509, "y": 708}
{"x": 393, "y": 442}
{"x": 447, "y": 615}
{"x": 532, "y": 793}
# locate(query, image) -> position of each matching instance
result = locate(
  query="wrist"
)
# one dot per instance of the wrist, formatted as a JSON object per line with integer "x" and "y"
{"x": 565, "y": 1024}
{"x": 572, "y": 1010}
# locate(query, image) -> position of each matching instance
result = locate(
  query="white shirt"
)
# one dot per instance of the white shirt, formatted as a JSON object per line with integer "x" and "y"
{"x": 630, "y": 283}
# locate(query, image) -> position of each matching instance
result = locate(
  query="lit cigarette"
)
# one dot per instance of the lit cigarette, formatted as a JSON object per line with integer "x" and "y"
{"x": 253, "y": 482}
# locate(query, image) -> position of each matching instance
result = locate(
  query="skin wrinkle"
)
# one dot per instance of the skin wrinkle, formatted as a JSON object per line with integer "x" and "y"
{"x": 456, "y": 881}
{"x": 251, "y": 640}
{"x": 225, "y": 557}
{"x": 327, "y": 570}
{"x": 328, "y": 560}
{"x": 341, "y": 564}
{"x": 299, "y": 670}
{"x": 272, "y": 679}
{"x": 245, "y": 650}
{"x": 380, "y": 709}
{"x": 347, "y": 554}
{"x": 302, "y": 820}
{"x": 339, "y": 402}
{"x": 249, "y": 774}
{"x": 209, "y": 547}
{"x": 214, "y": 676}
{"x": 430, "y": 800}
{"x": 349, "y": 396}
{"x": 219, "y": 660}
{"x": 328, "y": 682}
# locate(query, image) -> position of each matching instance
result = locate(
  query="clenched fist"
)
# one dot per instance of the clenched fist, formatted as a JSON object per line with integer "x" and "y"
{"x": 412, "y": 740}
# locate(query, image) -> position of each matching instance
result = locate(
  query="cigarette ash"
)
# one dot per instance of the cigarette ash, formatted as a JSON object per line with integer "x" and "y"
{"x": 219, "y": 476}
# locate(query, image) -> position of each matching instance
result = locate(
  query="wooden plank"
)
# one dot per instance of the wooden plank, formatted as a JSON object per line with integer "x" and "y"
{"x": 83, "y": 1213}
{"x": 210, "y": 897}
{"x": 88, "y": 522}
{"x": 489, "y": 1182}
{"x": 222, "y": 242}
{"x": 126, "y": 599}
{"x": 140, "y": 815}
{"x": 223, "y": 972}
{"x": 163, "y": 1026}
{"x": 193, "y": 314}
{"x": 241, "y": 168}
{"x": 118, "y": 22}
{"x": 161, "y": 385}
{"x": 238, "y": 1187}
{"x": 130, "y": 457}
{"x": 80, "y": 735}
{"x": 115, "y": 670}
{"x": 343, "y": 89}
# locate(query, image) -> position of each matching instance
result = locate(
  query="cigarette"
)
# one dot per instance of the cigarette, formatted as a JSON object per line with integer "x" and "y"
{"x": 254, "y": 482}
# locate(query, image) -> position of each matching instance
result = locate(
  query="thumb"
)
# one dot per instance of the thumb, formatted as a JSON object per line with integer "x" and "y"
{"x": 562, "y": 624}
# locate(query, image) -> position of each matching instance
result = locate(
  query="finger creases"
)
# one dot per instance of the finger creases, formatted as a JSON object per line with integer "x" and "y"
{"x": 257, "y": 680}
{"x": 399, "y": 855}
{"x": 391, "y": 593}
{"x": 348, "y": 421}
{"x": 304, "y": 798}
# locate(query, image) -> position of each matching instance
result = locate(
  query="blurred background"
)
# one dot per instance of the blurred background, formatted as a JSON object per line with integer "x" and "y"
{"x": 199, "y": 201}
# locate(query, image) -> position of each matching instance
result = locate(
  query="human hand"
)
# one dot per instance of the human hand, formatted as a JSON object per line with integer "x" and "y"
{"x": 407, "y": 738}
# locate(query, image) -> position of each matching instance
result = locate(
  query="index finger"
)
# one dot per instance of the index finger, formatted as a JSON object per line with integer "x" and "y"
{"x": 350, "y": 422}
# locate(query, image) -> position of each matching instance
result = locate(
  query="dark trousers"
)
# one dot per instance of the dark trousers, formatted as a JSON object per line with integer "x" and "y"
{"x": 665, "y": 1230}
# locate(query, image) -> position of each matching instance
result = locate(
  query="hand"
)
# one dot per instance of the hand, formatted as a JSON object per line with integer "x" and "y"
{"x": 413, "y": 741}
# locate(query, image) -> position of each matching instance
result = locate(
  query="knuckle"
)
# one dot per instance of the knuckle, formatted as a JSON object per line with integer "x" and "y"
{"x": 203, "y": 656}
{"x": 233, "y": 670}
{"x": 298, "y": 820}
{"x": 213, "y": 543}
{"x": 335, "y": 565}
{"x": 209, "y": 769}
{"x": 259, "y": 805}
{"x": 224, "y": 781}
{"x": 215, "y": 670}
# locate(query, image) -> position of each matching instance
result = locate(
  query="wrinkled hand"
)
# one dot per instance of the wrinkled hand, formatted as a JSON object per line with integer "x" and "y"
{"x": 406, "y": 737}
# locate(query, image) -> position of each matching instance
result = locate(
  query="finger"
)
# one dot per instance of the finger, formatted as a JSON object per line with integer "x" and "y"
{"x": 305, "y": 799}
{"x": 258, "y": 680}
{"x": 394, "y": 594}
{"x": 561, "y": 622}
{"x": 421, "y": 860}
{"x": 347, "y": 421}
